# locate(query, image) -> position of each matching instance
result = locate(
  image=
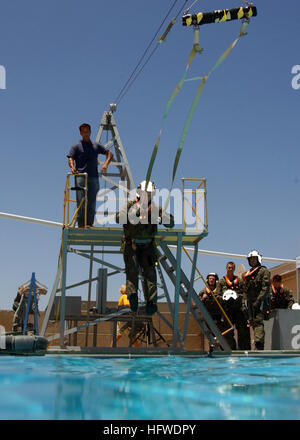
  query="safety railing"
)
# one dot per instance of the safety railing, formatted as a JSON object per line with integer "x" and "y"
{"x": 67, "y": 222}
{"x": 194, "y": 204}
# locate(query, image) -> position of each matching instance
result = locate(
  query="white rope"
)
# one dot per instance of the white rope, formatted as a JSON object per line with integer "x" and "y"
{"x": 226, "y": 254}
{"x": 30, "y": 220}
{"x": 187, "y": 10}
{"x": 200, "y": 251}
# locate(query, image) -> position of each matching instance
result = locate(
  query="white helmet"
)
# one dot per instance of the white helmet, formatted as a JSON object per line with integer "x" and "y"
{"x": 229, "y": 294}
{"x": 255, "y": 253}
{"x": 142, "y": 187}
{"x": 213, "y": 274}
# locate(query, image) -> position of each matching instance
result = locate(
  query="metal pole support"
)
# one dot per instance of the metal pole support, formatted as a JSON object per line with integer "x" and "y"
{"x": 63, "y": 286}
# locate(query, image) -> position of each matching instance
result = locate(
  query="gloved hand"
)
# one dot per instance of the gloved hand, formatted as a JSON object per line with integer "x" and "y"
{"x": 244, "y": 310}
{"x": 255, "y": 305}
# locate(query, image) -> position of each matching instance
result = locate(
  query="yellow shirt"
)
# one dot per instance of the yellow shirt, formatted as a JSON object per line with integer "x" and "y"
{"x": 123, "y": 301}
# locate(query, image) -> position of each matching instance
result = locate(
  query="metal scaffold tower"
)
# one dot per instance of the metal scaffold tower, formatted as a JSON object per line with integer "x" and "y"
{"x": 89, "y": 243}
{"x": 122, "y": 178}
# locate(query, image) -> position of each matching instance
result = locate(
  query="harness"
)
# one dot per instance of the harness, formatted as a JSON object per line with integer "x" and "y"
{"x": 251, "y": 272}
{"x": 278, "y": 298}
{"x": 232, "y": 284}
{"x": 209, "y": 292}
{"x": 143, "y": 213}
{"x": 141, "y": 242}
{"x": 275, "y": 292}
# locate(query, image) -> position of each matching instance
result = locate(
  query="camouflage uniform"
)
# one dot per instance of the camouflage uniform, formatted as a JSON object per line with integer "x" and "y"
{"x": 257, "y": 293}
{"x": 139, "y": 248}
{"x": 216, "y": 314}
{"x": 281, "y": 298}
{"x": 235, "y": 309}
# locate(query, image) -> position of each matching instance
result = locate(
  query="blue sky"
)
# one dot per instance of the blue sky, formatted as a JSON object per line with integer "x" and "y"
{"x": 66, "y": 61}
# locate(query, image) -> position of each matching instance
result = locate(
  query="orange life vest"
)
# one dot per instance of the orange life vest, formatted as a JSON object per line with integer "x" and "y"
{"x": 232, "y": 284}
{"x": 251, "y": 272}
{"x": 275, "y": 290}
{"x": 209, "y": 292}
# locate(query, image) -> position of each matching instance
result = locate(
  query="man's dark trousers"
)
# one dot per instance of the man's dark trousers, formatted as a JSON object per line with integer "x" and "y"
{"x": 93, "y": 188}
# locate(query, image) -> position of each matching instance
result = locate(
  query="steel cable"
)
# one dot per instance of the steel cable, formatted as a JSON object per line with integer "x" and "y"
{"x": 133, "y": 76}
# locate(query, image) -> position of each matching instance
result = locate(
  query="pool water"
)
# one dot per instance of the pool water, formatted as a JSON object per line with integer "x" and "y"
{"x": 167, "y": 388}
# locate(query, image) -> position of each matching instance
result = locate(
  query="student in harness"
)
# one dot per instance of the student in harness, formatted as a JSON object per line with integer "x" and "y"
{"x": 140, "y": 218}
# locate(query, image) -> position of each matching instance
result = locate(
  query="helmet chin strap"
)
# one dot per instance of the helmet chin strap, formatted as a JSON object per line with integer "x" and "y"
{"x": 255, "y": 264}
{"x": 139, "y": 198}
{"x": 146, "y": 206}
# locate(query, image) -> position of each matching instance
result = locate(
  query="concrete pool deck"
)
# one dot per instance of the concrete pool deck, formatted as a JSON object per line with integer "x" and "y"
{"x": 163, "y": 352}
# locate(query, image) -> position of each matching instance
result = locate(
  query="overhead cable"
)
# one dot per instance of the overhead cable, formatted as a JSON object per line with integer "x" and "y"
{"x": 135, "y": 73}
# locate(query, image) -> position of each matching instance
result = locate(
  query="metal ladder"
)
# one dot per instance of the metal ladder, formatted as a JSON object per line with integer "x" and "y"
{"x": 206, "y": 323}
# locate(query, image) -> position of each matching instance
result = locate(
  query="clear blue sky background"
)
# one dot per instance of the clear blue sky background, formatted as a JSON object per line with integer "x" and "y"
{"x": 66, "y": 61}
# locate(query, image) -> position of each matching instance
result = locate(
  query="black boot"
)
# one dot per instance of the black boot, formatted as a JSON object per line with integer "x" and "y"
{"x": 259, "y": 345}
{"x": 151, "y": 308}
{"x": 134, "y": 302}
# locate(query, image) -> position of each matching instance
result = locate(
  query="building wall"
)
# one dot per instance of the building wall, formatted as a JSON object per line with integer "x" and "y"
{"x": 194, "y": 341}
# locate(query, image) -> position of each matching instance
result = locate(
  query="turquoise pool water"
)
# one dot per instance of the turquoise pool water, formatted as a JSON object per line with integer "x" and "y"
{"x": 168, "y": 388}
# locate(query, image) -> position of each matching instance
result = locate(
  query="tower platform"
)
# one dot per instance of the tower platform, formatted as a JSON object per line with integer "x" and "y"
{"x": 84, "y": 243}
{"x": 109, "y": 236}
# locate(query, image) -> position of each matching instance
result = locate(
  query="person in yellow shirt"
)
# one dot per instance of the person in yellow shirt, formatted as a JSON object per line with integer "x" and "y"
{"x": 123, "y": 327}
{"x": 123, "y": 301}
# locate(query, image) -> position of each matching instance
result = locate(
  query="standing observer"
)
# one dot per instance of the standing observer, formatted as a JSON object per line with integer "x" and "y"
{"x": 281, "y": 296}
{"x": 83, "y": 158}
{"x": 209, "y": 297}
{"x": 230, "y": 290}
{"x": 257, "y": 291}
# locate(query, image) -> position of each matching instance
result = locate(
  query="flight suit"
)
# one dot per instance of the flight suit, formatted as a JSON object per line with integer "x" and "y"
{"x": 235, "y": 309}
{"x": 139, "y": 249}
{"x": 281, "y": 298}
{"x": 257, "y": 294}
{"x": 215, "y": 312}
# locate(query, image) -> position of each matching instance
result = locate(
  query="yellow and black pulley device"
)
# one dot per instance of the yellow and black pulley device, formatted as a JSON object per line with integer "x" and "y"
{"x": 219, "y": 16}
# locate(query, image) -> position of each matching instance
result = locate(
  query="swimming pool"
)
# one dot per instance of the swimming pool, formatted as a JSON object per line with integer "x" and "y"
{"x": 167, "y": 388}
